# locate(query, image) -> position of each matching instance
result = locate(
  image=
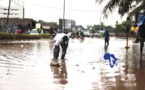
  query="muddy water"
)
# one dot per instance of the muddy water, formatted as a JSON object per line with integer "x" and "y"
{"x": 24, "y": 65}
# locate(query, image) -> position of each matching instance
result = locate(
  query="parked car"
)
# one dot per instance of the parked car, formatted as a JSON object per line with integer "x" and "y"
{"x": 12, "y": 30}
{"x": 87, "y": 34}
{"x": 35, "y": 32}
{"x": 98, "y": 34}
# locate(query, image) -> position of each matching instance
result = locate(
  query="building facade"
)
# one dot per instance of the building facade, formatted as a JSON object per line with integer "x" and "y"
{"x": 16, "y": 11}
{"x": 69, "y": 24}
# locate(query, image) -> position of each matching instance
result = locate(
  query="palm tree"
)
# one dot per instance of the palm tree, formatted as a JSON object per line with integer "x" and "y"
{"x": 139, "y": 7}
{"x": 125, "y": 6}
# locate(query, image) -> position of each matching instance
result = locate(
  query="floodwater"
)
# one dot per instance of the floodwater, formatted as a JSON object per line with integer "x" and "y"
{"x": 25, "y": 65}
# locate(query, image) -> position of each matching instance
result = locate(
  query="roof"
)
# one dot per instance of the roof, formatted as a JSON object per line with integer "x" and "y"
{"x": 16, "y": 21}
{"x": 46, "y": 27}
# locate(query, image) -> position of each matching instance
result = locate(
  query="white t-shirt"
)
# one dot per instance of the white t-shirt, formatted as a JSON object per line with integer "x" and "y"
{"x": 58, "y": 38}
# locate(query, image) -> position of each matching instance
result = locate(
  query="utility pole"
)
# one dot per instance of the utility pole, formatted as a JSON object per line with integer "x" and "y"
{"x": 63, "y": 17}
{"x": 2, "y": 24}
{"x": 23, "y": 11}
{"x": 100, "y": 15}
{"x": 8, "y": 12}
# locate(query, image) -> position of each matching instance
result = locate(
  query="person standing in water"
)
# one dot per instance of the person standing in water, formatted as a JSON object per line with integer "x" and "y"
{"x": 141, "y": 36}
{"x": 61, "y": 39}
{"x": 106, "y": 38}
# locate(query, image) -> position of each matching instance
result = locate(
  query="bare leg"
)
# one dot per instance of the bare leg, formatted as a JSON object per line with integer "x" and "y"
{"x": 56, "y": 52}
{"x": 141, "y": 45}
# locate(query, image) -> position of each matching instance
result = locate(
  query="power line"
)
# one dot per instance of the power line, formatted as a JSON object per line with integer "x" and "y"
{"x": 59, "y": 8}
{"x": 62, "y": 8}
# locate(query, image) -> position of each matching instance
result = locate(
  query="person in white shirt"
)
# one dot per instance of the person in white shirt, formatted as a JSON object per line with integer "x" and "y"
{"x": 61, "y": 39}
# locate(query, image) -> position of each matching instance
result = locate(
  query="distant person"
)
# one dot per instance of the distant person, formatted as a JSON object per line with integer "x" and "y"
{"x": 61, "y": 39}
{"x": 128, "y": 24}
{"x": 73, "y": 34}
{"x": 141, "y": 36}
{"x": 19, "y": 31}
{"x": 53, "y": 31}
{"x": 106, "y": 38}
{"x": 77, "y": 34}
{"x": 29, "y": 31}
{"x": 81, "y": 34}
{"x": 9, "y": 30}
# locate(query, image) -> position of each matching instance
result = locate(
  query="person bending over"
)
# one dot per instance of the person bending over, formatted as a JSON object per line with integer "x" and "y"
{"x": 60, "y": 40}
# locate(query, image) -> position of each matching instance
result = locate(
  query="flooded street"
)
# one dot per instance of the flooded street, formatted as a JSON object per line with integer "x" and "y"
{"x": 25, "y": 65}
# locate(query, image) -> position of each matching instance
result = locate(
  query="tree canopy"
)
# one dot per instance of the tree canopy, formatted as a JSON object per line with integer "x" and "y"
{"x": 130, "y": 7}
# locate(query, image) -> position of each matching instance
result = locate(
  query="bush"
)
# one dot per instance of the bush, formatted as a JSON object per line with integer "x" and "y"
{"x": 4, "y": 35}
{"x": 9, "y": 36}
{"x": 45, "y": 35}
{"x": 39, "y": 30}
{"x": 26, "y": 36}
{"x": 93, "y": 31}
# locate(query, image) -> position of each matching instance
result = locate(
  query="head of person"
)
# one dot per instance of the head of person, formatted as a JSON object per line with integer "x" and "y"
{"x": 128, "y": 18}
{"x": 134, "y": 24}
{"x": 65, "y": 39}
{"x": 106, "y": 30}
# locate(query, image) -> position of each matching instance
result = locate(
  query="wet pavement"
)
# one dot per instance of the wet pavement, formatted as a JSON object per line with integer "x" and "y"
{"x": 25, "y": 65}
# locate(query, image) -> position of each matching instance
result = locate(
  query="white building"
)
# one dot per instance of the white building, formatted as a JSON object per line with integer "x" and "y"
{"x": 16, "y": 11}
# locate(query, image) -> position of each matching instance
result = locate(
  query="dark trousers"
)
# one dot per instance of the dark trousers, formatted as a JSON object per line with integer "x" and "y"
{"x": 142, "y": 40}
{"x": 106, "y": 41}
{"x": 57, "y": 50}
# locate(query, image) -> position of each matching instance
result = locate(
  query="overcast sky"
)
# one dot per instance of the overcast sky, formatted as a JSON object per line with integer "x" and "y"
{"x": 84, "y": 12}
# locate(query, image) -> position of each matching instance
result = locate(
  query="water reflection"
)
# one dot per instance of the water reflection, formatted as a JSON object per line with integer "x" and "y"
{"x": 60, "y": 73}
{"x": 82, "y": 40}
{"x": 106, "y": 49}
{"x": 142, "y": 62}
{"x": 51, "y": 44}
{"x": 140, "y": 73}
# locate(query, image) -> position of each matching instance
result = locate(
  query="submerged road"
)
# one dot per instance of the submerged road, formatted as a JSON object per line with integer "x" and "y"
{"x": 25, "y": 65}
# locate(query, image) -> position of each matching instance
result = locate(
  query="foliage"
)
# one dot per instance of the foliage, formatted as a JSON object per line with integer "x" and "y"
{"x": 109, "y": 28}
{"x": 39, "y": 30}
{"x": 4, "y": 35}
{"x": 97, "y": 27}
{"x": 80, "y": 26}
{"x": 8, "y": 36}
{"x": 120, "y": 28}
{"x": 92, "y": 30}
{"x": 45, "y": 35}
{"x": 26, "y": 36}
{"x": 89, "y": 27}
{"x": 53, "y": 24}
{"x": 125, "y": 6}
